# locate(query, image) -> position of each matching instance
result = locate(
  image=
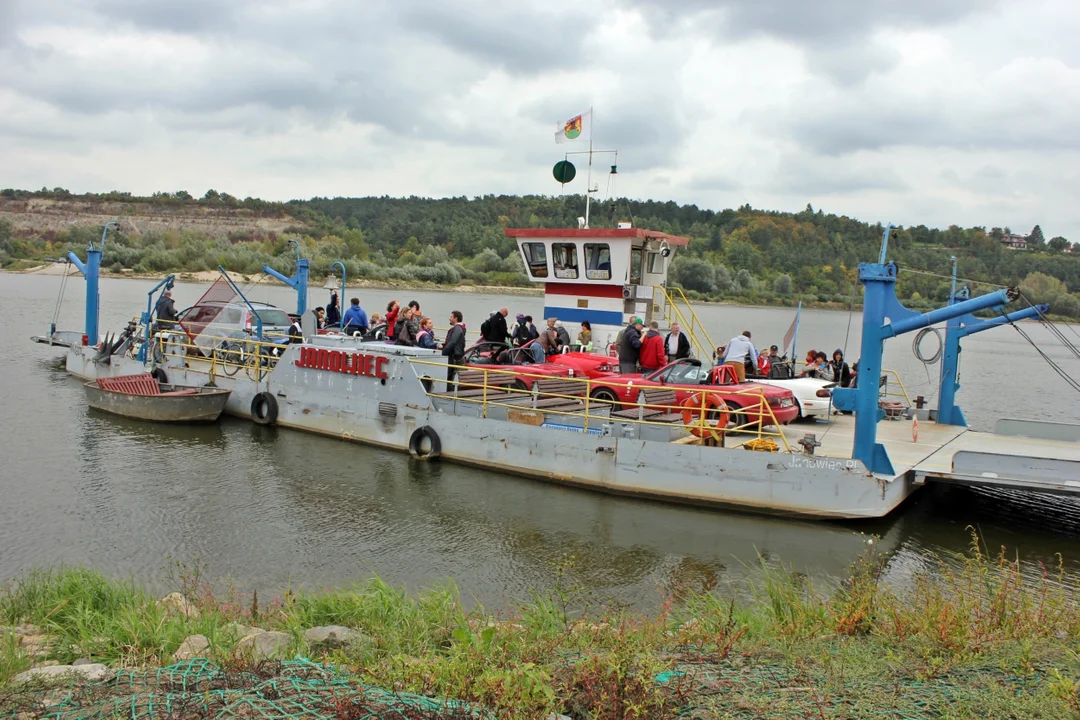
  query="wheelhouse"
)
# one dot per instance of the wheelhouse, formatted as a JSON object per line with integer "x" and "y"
{"x": 604, "y": 275}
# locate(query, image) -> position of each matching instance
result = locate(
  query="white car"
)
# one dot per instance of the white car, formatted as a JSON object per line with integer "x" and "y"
{"x": 813, "y": 396}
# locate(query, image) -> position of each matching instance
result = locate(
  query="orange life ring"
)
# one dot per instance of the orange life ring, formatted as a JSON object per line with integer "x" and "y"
{"x": 716, "y": 415}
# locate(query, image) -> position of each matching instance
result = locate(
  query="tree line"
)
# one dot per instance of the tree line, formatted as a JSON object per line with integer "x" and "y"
{"x": 743, "y": 254}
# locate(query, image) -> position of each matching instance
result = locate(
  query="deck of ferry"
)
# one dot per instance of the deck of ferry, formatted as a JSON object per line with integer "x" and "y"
{"x": 1023, "y": 455}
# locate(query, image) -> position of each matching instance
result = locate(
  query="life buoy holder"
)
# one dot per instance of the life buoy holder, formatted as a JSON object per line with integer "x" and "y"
{"x": 264, "y": 409}
{"x": 424, "y": 444}
{"x": 716, "y": 415}
{"x": 159, "y": 375}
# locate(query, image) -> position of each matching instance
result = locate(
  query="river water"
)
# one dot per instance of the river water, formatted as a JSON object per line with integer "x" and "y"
{"x": 270, "y": 507}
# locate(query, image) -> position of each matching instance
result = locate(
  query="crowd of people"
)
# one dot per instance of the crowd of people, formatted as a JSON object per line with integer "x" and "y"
{"x": 638, "y": 348}
{"x": 745, "y": 359}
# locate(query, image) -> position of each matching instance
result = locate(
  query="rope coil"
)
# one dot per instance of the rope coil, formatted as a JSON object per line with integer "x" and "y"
{"x": 916, "y": 346}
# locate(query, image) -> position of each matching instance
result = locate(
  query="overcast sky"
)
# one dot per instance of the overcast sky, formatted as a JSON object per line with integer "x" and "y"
{"x": 911, "y": 111}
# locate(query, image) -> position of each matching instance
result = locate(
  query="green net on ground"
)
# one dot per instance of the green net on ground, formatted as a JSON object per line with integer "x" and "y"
{"x": 296, "y": 689}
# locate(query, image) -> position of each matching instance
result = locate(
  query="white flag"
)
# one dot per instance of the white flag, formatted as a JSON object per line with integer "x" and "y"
{"x": 574, "y": 128}
{"x": 789, "y": 336}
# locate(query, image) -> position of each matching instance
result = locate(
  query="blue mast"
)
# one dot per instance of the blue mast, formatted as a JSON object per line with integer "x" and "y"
{"x": 880, "y": 302}
{"x": 298, "y": 281}
{"x": 91, "y": 270}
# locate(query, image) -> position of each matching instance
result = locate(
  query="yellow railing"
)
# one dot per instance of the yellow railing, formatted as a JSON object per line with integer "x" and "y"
{"x": 885, "y": 392}
{"x": 228, "y": 356}
{"x": 690, "y": 323}
{"x": 755, "y": 415}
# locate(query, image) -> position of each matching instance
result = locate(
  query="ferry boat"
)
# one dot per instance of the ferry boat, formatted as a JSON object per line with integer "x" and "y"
{"x": 403, "y": 398}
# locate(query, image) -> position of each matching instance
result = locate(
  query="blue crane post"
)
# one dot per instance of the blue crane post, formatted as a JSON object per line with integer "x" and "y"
{"x": 879, "y": 303}
{"x": 91, "y": 270}
{"x": 948, "y": 412}
{"x": 299, "y": 280}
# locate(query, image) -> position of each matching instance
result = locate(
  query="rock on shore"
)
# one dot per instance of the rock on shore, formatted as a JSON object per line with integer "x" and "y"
{"x": 92, "y": 672}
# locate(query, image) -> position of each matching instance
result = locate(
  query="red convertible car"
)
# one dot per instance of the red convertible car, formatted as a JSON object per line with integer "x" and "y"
{"x": 689, "y": 377}
{"x": 519, "y": 361}
{"x": 586, "y": 365}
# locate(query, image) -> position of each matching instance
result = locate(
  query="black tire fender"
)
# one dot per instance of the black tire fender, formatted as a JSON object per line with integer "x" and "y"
{"x": 159, "y": 375}
{"x": 416, "y": 443}
{"x": 264, "y": 409}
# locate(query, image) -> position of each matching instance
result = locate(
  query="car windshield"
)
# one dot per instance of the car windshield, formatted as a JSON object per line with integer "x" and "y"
{"x": 273, "y": 316}
{"x": 683, "y": 373}
{"x": 687, "y": 374}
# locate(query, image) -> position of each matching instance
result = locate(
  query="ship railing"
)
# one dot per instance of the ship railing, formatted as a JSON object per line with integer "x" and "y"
{"x": 891, "y": 377}
{"x": 229, "y": 357}
{"x": 499, "y": 386}
{"x": 686, "y": 317}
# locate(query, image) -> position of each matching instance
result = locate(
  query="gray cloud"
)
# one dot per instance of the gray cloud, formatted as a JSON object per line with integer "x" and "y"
{"x": 509, "y": 35}
{"x": 327, "y": 60}
{"x": 837, "y": 35}
{"x": 190, "y": 16}
{"x": 812, "y": 23}
{"x": 814, "y": 176}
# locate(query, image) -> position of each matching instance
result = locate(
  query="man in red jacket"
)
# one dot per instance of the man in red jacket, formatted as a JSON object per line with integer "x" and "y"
{"x": 652, "y": 349}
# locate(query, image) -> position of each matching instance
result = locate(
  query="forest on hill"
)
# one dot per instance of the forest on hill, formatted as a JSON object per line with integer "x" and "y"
{"x": 743, "y": 255}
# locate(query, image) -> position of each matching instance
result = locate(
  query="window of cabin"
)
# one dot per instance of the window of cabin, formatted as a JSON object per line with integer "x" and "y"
{"x": 564, "y": 258}
{"x": 535, "y": 258}
{"x": 598, "y": 261}
{"x": 635, "y": 266}
{"x": 656, "y": 263}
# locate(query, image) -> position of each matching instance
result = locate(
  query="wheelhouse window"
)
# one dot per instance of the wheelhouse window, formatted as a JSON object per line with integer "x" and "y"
{"x": 598, "y": 261}
{"x": 564, "y": 258}
{"x": 635, "y": 266}
{"x": 656, "y": 264}
{"x": 535, "y": 258}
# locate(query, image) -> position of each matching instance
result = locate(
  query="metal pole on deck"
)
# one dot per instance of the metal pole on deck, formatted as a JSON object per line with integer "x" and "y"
{"x": 341, "y": 298}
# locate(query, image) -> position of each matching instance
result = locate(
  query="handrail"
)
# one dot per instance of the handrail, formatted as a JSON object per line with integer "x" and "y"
{"x": 903, "y": 391}
{"x": 691, "y": 328}
{"x": 254, "y": 356}
{"x": 759, "y": 413}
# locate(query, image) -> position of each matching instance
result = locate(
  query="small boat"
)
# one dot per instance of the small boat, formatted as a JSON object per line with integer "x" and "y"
{"x": 142, "y": 397}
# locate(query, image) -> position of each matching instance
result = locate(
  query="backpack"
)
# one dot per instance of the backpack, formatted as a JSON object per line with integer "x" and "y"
{"x": 485, "y": 326}
{"x": 562, "y": 335}
{"x": 620, "y": 338}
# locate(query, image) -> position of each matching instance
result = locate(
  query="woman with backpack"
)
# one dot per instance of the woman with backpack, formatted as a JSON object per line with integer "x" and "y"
{"x": 521, "y": 333}
{"x": 407, "y": 329}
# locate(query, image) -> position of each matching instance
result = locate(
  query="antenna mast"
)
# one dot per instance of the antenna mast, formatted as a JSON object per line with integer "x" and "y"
{"x": 589, "y": 190}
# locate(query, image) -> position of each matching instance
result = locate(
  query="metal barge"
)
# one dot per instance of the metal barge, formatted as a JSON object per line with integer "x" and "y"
{"x": 859, "y": 466}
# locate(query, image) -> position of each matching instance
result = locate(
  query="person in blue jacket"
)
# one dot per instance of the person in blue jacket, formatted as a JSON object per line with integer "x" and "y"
{"x": 355, "y": 320}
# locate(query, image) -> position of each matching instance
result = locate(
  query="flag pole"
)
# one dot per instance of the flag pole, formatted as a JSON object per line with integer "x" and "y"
{"x": 795, "y": 337}
{"x": 588, "y": 182}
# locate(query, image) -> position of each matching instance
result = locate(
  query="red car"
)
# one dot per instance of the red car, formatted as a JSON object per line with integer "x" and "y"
{"x": 586, "y": 365}
{"x": 689, "y": 377}
{"x": 519, "y": 361}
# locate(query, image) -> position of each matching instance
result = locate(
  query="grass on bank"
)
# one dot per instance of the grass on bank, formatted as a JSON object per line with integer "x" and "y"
{"x": 973, "y": 637}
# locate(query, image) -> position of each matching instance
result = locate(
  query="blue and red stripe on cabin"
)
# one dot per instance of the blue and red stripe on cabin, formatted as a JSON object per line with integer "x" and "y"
{"x": 575, "y": 302}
